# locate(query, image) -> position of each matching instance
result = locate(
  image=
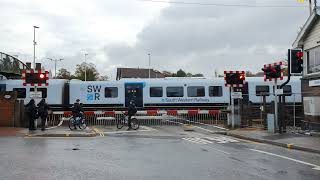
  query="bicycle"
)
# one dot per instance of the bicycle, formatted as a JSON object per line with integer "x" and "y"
{"x": 124, "y": 121}
{"x": 78, "y": 121}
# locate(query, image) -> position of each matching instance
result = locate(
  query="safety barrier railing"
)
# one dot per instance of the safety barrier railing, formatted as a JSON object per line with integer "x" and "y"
{"x": 149, "y": 117}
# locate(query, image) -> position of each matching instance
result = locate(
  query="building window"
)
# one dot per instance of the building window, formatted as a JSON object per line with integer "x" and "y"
{"x": 42, "y": 90}
{"x": 111, "y": 92}
{"x": 262, "y": 91}
{"x": 215, "y": 91}
{"x": 196, "y": 91}
{"x": 155, "y": 91}
{"x": 174, "y": 91}
{"x": 313, "y": 60}
{"x": 21, "y": 92}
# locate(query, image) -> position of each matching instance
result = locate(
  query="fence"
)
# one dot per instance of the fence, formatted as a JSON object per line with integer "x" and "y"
{"x": 149, "y": 117}
{"x": 254, "y": 114}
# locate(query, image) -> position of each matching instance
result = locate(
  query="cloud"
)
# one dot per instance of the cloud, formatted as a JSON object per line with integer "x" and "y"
{"x": 204, "y": 38}
{"x": 198, "y": 39}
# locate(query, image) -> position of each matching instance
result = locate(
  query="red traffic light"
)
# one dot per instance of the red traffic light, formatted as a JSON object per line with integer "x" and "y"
{"x": 242, "y": 77}
{"x": 299, "y": 54}
{"x": 41, "y": 76}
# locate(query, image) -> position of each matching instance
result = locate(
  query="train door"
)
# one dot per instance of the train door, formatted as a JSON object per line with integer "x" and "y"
{"x": 2, "y": 87}
{"x": 134, "y": 91}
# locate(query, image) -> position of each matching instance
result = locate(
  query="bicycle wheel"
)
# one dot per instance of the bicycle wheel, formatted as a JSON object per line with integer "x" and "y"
{"x": 120, "y": 124}
{"x": 72, "y": 124}
{"x": 82, "y": 124}
{"x": 134, "y": 123}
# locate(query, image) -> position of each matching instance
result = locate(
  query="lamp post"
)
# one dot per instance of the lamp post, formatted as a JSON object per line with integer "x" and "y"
{"x": 34, "y": 46}
{"x": 85, "y": 67}
{"x": 149, "y": 63}
{"x": 55, "y": 65}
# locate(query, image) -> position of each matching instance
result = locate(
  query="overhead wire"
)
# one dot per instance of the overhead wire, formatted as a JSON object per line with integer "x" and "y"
{"x": 225, "y": 5}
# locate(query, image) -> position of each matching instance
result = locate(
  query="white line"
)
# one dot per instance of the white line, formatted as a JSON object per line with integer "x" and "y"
{"x": 194, "y": 141}
{"x": 315, "y": 167}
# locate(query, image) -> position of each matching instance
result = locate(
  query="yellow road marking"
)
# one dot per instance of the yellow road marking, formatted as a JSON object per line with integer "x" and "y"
{"x": 98, "y": 131}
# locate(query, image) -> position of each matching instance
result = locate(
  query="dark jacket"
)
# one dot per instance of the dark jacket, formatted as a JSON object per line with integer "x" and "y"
{"x": 31, "y": 110}
{"x": 43, "y": 109}
{"x": 132, "y": 110}
{"x": 77, "y": 108}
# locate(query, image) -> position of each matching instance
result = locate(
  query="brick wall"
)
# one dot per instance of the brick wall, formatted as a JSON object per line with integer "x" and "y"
{"x": 7, "y": 108}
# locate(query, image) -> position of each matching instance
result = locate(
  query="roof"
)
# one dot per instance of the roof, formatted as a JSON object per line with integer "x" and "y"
{"x": 137, "y": 73}
{"x": 306, "y": 28}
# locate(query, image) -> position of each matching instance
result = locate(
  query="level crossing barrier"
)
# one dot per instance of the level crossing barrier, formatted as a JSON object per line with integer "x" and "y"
{"x": 148, "y": 117}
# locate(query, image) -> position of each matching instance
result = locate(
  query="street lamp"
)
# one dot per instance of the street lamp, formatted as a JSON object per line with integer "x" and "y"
{"x": 55, "y": 65}
{"x": 34, "y": 46}
{"x": 149, "y": 63}
{"x": 85, "y": 66}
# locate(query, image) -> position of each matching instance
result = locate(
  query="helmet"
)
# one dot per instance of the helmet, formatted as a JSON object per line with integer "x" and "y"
{"x": 78, "y": 100}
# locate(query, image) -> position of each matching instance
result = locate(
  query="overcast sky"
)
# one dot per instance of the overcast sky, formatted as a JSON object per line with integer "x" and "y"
{"x": 120, "y": 33}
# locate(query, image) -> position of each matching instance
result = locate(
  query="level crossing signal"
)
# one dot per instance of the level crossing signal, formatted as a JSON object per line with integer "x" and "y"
{"x": 273, "y": 71}
{"x": 35, "y": 77}
{"x": 295, "y": 57}
{"x": 234, "y": 78}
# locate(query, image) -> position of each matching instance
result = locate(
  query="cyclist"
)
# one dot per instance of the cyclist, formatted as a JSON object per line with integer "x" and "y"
{"x": 77, "y": 110}
{"x": 132, "y": 110}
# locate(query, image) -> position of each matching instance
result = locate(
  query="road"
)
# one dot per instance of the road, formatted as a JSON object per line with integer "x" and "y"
{"x": 161, "y": 153}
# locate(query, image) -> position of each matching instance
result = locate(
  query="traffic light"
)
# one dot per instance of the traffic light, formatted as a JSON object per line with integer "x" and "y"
{"x": 295, "y": 57}
{"x": 272, "y": 71}
{"x": 235, "y": 78}
{"x": 38, "y": 78}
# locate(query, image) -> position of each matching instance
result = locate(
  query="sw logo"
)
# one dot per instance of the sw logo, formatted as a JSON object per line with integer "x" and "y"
{"x": 93, "y": 92}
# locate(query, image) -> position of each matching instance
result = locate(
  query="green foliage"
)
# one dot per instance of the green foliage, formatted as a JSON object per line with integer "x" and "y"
{"x": 90, "y": 69}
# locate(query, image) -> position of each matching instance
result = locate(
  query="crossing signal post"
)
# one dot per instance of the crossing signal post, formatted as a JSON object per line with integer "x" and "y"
{"x": 274, "y": 72}
{"x": 35, "y": 78}
{"x": 234, "y": 79}
{"x": 295, "y": 56}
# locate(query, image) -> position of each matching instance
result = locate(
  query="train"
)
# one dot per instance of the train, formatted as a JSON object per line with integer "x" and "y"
{"x": 156, "y": 93}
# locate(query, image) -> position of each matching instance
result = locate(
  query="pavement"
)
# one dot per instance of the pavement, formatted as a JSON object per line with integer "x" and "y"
{"x": 161, "y": 153}
{"x": 288, "y": 140}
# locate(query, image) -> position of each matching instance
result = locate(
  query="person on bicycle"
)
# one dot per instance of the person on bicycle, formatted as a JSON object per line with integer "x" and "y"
{"x": 77, "y": 110}
{"x": 132, "y": 110}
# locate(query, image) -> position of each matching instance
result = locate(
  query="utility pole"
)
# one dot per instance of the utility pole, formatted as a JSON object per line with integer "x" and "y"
{"x": 55, "y": 65}
{"x": 85, "y": 66}
{"x": 149, "y": 63}
{"x": 34, "y": 46}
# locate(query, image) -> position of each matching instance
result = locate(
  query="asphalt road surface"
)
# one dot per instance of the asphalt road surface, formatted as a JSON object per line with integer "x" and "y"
{"x": 164, "y": 153}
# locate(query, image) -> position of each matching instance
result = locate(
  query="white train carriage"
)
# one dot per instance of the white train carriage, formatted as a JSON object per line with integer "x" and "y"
{"x": 257, "y": 88}
{"x": 151, "y": 93}
{"x": 52, "y": 93}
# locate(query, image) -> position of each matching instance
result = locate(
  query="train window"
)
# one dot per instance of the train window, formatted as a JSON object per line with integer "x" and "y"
{"x": 215, "y": 91}
{"x": 111, "y": 92}
{"x": 196, "y": 91}
{"x": 155, "y": 91}
{"x": 287, "y": 91}
{"x": 174, "y": 91}
{"x": 262, "y": 91}
{"x": 21, "y": 92}
{"x": 43, "y": 91}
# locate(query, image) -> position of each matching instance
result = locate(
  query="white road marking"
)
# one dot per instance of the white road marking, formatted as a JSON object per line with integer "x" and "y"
{"x": 147, "y": 129}
{"x": 315, "y": 167}
{"x": 221, "y": 139}
{"x": 197, "y": 140}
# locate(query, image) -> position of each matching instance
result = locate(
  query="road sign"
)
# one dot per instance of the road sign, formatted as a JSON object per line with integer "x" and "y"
{"x": 273, "y": 71}
{"x": 35, "y": 77}
{"x": 236, "y": 95}
{"x": 234, "y": 78}
{"x": 36, "y": 95}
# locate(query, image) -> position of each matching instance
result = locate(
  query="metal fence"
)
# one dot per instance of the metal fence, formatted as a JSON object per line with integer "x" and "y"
{"x": 150, "y": 117}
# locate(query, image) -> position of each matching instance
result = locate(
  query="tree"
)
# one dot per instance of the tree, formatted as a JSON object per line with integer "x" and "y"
{"x": 63, "y": 74}
{"x": 103, "y": 78}
{"x": 181, "y": 73}
{"x": 189, "y": 74}
{"x": 90, "y": 69}
{"x": 198, "y": 75}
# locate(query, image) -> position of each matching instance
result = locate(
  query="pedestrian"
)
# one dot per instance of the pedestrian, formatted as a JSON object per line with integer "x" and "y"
{"x": 132, "y": 110}
{"x": 31, "y": 111}
{"x": 43, "y": 113}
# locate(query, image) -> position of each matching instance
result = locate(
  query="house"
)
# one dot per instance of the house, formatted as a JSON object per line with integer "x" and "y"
{"x": 308, "y": 40}
{"x": 137, "y": 73}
